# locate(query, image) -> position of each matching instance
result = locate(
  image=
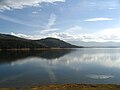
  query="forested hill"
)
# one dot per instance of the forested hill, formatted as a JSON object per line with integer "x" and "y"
{"x": 13, "y": 42}
{"x": 56, "y": 43}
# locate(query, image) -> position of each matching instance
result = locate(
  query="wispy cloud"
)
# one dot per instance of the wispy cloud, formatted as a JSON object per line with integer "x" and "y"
{"x": 51, "y": 20}
{"x": 102, "y": 4}
{"x": 48, "y": 30}
{"x": 35, "y": 12}
{"x": 33, "y": 37}
{"x": 98, "y": 19}
{"x": 19, "y": 4}
{"x": 17, "y": 21}
{"x": 111, "y": 8}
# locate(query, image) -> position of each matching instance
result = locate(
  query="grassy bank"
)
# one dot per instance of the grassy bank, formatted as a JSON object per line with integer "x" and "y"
{"x": 70, "y": 87}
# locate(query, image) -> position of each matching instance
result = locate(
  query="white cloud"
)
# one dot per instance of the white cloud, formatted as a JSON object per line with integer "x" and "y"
{"x": 101, "y": 4}
{"x": 106, "y": 35}
{"x": 22, "y": 35}
{"x": 51, "y": 20}
{"x": 76, "y": 28}
{"x": 111, "y": 8}
{"x": 48, "y": 30}
{"x": 33, "y": 37}
{"x": 98, "y": 19}
{"x": 35, "y": 12}
{"x": 61, "y": 35}
{"x": 19, "y": 4}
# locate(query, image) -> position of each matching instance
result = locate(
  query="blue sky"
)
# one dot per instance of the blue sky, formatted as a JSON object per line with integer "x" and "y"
{"x": 76, "y": 20}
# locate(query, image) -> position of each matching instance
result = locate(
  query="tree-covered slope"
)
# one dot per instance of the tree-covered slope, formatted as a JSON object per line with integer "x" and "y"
{"x": 56, "y": 43}
{"x": 12, "y": 42}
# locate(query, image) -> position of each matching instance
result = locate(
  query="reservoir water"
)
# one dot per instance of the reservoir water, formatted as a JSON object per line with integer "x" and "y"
{"x": 85, "y": 65}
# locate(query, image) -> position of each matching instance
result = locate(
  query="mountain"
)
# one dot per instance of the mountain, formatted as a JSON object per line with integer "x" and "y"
{"x": 56, "y": 43}
{"x": 13, "y": 42}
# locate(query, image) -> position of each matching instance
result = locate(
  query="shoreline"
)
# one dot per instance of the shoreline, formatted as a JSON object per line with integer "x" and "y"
{"x": 36, "y": 49}
{"x": 70, "y": 87}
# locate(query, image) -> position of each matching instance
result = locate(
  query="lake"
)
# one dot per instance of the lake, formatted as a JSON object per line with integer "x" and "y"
{"x": 85, "y": 65}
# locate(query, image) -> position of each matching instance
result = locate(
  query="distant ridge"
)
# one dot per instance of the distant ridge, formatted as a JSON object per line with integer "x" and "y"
{"x": 13, "y": 42}
{"x": 56, "y": 43}
{"x": 8, "y": 42}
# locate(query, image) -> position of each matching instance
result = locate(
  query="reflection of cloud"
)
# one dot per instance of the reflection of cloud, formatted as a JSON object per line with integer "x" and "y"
{"x": 51, "y": 74}
{"x": 77, "y": 59}
{"x": 42, "y": 63}
{"x": 93, "y": 76}
{"x": 106, "y": 60}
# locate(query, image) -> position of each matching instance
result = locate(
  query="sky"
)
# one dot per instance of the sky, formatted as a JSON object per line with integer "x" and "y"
{"x": 70, "y": 20}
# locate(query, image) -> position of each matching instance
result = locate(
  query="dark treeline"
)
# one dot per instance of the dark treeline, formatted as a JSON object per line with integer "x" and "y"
{"x": 13, "y": 42}
{"x": 56, "y": 43}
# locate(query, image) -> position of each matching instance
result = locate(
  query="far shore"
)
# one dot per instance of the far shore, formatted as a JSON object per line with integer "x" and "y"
{"x": 70, "y": 87}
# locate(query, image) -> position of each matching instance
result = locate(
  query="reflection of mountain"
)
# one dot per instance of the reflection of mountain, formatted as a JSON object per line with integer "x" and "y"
{"x": 52, "y": 54}
{"x": 47, "y": 54}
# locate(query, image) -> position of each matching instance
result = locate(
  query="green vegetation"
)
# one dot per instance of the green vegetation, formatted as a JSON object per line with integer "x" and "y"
{"x": 71, "y": 87}
{"x": 12, "y": 42}
{"x": 9, "y": 42}
{"x": 56, "y": 43}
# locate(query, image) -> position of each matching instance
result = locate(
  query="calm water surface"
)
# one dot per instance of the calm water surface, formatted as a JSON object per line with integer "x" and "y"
{"x": 93, "y": 66}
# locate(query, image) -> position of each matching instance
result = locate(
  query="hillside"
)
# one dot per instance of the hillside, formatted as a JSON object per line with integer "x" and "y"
{"x": 56, "y": 43}
{"x": 13, "y": 42}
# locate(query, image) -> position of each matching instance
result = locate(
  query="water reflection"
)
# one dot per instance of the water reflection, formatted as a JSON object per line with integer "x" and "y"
{"x": 9, "y": 56}
{"x": 100, "y": 76}
{"x": 60, "y": 66}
